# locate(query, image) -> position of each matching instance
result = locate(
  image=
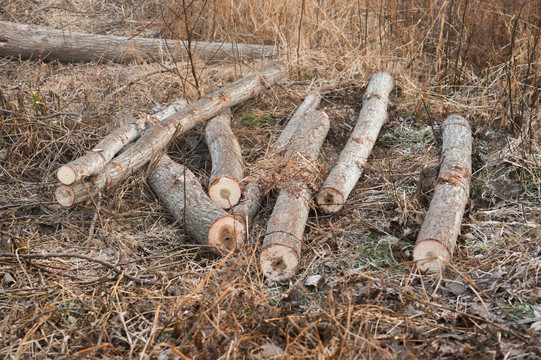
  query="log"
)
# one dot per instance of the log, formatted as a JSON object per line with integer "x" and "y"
{"x": 437, "y": 238}
{"x": 347, "y": 171}
{"x": 155, "y": 140}
{"x": 280, "y": 256}
{"x": 227, "y": 167}
{"x": 95, "y": 160}
{"x": 184, "y": 198}
{"x": 33, "y": 42}
{"x": 253, "y": 192}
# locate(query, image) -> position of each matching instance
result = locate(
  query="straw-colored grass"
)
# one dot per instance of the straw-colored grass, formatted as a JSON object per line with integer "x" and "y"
{"x": 117, "y": 278}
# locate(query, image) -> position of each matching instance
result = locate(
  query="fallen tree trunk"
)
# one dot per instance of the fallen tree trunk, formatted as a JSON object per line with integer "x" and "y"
{"x": 347, "y": 171}
{"x": 437, "y": 238}
{"x": 184, "y": 198}
{"x": 95, "y": 160}
{"x": 253, "y": 191}
{"x": 280, "y": 256}
{"x": 30, "y": 41}
{"x": 155, "y": 140}
{"x": 227, "y": 167}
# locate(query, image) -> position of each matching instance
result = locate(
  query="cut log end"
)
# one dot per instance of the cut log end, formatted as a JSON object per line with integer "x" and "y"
{"x": 225, "y": 192}
{"x": 67, "y": 175}
{"x": 431, "y": 255}
{"x": 226, "y": 234}
{"x": 278, "y": 262}
{"x": 64, "y": 195}
{"x": 330, "y": 200}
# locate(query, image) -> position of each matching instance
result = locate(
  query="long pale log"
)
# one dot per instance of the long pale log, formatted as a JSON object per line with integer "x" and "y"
{"x": 279, "y": 258}
{"x": 155, "y": 140}
{"x": 253, "y": 192}
{"x": 95, "y": 160}
{"x": 227, "y": 167}
{"x": 184, "y": 198}
{"x": 437, "y": 238}
{"x": 347, "y": 171}
{"x": 30, "y": 41}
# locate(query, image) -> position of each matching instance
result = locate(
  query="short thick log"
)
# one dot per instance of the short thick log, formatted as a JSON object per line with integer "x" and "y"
{"x": 227, "y": 167}
{"x": 253, "y": 192}
{"x": 279, "y": 258}
{"x": 33, "y": 42}
{"x": 437, "y": 238}
{"x": 347, "y": 171}
{"x": 184, "y": 198}
{"x": 156, "y": 139}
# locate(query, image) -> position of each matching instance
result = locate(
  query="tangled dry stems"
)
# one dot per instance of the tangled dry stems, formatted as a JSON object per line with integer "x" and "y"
{"x": 372, "y": 302}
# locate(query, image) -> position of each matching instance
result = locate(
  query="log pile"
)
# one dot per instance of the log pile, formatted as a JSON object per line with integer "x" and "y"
{"x": 219, "y": 218}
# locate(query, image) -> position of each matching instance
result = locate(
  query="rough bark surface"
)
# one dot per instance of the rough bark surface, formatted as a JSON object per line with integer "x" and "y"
{"x": 437, "y": 238}
{"x": 347, "y": 171}
{"x": 155, "y": 140}
{"x": 279, "y": 258}
{"x": 184, "y": 198}
{"x": 30, "y": 41}
{"x": 253, "y": 192}
{"x": 96, "y": 159}
{"x": 227, "y": 167}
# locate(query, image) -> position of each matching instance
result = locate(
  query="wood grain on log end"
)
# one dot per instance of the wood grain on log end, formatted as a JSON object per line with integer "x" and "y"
{"x": 330, "y": 200}
{"x": 225, "y": 192}
{"x": 65, "y": 195}
{"x": 226, "y": 234}
{"x": 67, "y": 175}
{"x": 432, "y": 255}
{"x": 278, "y": 262}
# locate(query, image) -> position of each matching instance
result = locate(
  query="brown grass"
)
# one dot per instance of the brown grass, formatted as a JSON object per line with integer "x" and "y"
{"x": 142, "y": 290}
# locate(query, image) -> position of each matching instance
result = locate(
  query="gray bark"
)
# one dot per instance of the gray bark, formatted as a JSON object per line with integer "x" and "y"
{"x": 347, "y": 171}
{"x": 253, "y": 192}
{"x": 437, "y": 238}
{"x": 155, "y": 140}
{"x": 184, "y": 198}
{"x": 227, "y": 166}
{"x": 30, "y": 41}
{"x": 279, "y": 258}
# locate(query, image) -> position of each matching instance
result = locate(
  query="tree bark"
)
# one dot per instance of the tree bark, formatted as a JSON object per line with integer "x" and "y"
{"x": 348, "y": 169}
{"x": 227, "y": 167}
{"x": 253, "y": 192}
{"x": 437, "y": 238}
{"x": 156, "y": 139}
{"x": 279, "y": 258}
{"x": 30, "y": 41}
{"x": 184, "y": 198}
{"x": 95, "y": 160}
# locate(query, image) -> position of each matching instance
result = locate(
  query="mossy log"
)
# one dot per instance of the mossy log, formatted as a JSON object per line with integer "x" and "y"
{"x": 437, "y": 238}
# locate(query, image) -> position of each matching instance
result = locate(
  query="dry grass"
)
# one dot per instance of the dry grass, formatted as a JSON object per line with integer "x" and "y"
{"x": 137, "y": 287}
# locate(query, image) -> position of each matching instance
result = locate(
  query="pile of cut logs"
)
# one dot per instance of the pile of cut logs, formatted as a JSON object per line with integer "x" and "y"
{"x": 219, "y": 220}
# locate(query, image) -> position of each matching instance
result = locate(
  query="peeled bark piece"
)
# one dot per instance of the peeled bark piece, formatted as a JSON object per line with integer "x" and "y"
{"x": 437, "y": 238}
{"x": 347, "y": 171}
{"x": 30, "y": 41}
{"x": 253, "y": 193}
{"x": 156, "y": 139}
{"x": 227, "y": 168}
{"x": 279, "y": 258}
{"x": 206, "y": 223}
